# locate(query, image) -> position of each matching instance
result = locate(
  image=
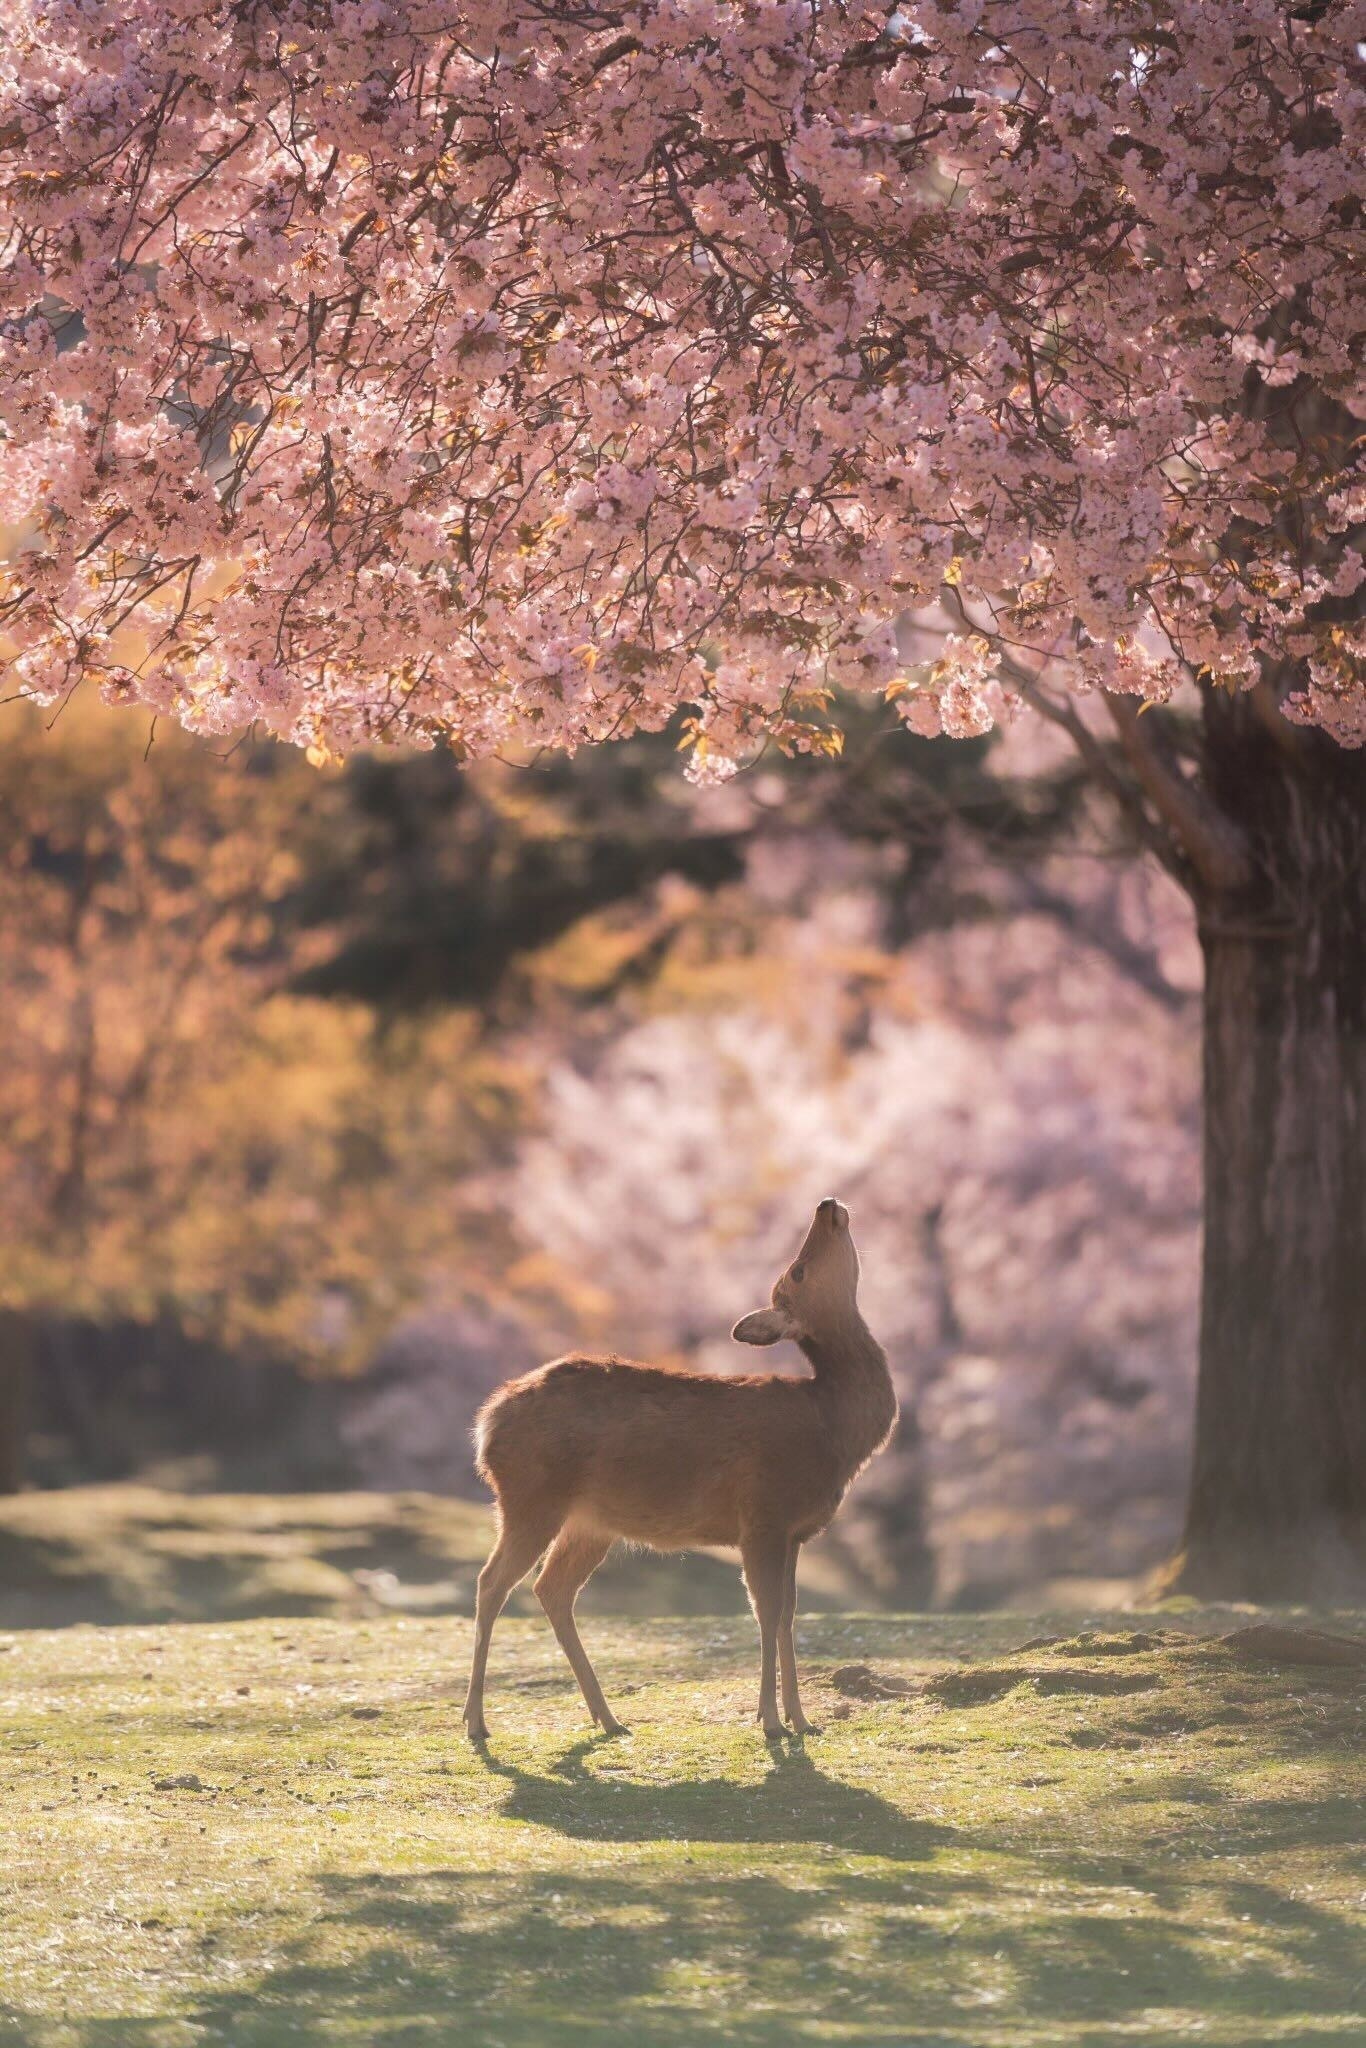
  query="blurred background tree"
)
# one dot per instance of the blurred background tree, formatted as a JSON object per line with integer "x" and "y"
{"x": 191, "y": 1151}
{"x": 395, "y": 1078}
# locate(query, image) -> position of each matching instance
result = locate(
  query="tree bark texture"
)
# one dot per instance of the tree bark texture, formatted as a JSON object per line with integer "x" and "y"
{"x": 1277, "y": 1505}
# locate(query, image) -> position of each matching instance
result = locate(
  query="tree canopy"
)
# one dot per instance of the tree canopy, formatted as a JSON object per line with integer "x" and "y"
{"x": 508, "y": 373}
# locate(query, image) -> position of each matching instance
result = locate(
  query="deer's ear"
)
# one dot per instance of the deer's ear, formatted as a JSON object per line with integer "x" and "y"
{"x": 764, "y": 1326}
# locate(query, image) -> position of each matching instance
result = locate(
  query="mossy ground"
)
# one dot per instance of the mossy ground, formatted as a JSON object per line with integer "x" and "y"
{"x": 1053, "y": 1844}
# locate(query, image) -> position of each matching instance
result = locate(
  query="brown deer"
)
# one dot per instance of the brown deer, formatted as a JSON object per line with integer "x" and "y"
{"x": 589, "y": 1449}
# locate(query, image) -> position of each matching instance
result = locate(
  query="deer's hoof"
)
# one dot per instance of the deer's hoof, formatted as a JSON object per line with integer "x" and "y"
{"x": 611, "y": 1726}
{"x": 801, "y": 1726}
{"x": 476, "y": 1727}
{"x": 774, "y": 1731}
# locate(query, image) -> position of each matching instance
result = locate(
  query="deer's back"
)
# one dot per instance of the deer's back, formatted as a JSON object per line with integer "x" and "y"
{"x": 657, "y": 1456}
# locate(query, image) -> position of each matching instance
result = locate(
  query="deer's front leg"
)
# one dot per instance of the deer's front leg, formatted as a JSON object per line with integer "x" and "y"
{"x": 787, "y": 1649}
{"x": 764, "y": 1557}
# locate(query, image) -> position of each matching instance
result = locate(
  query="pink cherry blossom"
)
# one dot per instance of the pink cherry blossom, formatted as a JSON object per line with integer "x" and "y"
{"x": 513, "y": 373}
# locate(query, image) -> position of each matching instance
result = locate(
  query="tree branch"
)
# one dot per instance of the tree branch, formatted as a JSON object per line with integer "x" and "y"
{"x": 1160, "y": 843}
{"x": 1212, "y": 843}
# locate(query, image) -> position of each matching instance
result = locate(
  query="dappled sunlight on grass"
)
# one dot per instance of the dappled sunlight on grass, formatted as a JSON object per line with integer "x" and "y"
{"x": 275, "y": 1833}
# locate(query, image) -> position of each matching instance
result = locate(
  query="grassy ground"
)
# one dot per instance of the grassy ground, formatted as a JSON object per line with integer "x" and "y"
{"x": 266, "y": 1833}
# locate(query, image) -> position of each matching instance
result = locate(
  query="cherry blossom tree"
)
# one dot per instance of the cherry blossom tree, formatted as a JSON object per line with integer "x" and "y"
{"x": 512, "y": 374}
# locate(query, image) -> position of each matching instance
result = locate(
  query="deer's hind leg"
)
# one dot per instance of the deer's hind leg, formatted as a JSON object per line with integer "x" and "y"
{"x": 520, "y": 1542}
{"x": 574, "y": 1557}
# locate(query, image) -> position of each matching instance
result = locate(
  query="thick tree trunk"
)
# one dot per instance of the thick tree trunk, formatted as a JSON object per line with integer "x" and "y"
{"x": 1278, "y": 1490}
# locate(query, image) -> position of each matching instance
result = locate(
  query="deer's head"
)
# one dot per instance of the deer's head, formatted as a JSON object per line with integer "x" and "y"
{"x": 817, "y": 1295}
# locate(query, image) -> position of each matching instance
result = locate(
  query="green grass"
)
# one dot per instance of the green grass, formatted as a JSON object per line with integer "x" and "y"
{"x": 1060, "y": 1844}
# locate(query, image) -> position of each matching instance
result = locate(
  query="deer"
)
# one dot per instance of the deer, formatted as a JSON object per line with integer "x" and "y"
{"x": 586, "y": 1450}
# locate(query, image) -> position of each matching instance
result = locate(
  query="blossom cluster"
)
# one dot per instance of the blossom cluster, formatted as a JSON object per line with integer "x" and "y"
{"x": 500, "y": 373}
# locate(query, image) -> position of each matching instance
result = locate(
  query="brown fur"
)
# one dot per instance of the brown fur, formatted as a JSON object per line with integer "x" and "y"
{"x": 587, "y": 1450}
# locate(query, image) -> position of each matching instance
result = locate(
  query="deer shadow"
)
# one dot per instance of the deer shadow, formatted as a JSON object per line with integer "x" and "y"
{"x": 795, "y": 1802}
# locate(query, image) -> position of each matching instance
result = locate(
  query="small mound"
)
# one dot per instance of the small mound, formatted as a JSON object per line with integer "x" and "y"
{"x": 974, "y": 1688}
{"x": 1269, "y": 1643}
{"x": 861, "y": 1682}
{"x": 1125, "y": 1643}
{"x": 977, "y": 1687}
{"x": 1106, "y": 1683}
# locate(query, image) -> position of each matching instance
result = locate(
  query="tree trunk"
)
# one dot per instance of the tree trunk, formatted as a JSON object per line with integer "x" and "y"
{"x": 1277, "y": 1504}
{"x": 16, "y": 1366}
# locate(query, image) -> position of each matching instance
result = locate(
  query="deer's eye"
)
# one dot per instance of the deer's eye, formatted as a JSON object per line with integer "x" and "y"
{"x": 799, "y": 1272}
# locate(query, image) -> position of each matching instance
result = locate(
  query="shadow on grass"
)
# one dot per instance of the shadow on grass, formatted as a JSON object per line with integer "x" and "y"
{"x": 563, "y": 1958}
{"x": 796, "y": 1910}
{"x": 796, "y": 1802}
{"x": 848, "y": 1919}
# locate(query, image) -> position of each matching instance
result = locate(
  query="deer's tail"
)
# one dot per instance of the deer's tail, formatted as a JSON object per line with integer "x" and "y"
{"x": 511, "y": 1439}
{"x": 485, "y": 1439}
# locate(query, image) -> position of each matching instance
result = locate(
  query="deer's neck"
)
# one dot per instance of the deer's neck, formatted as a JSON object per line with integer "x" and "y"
{"x": 854, "y": 1388}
